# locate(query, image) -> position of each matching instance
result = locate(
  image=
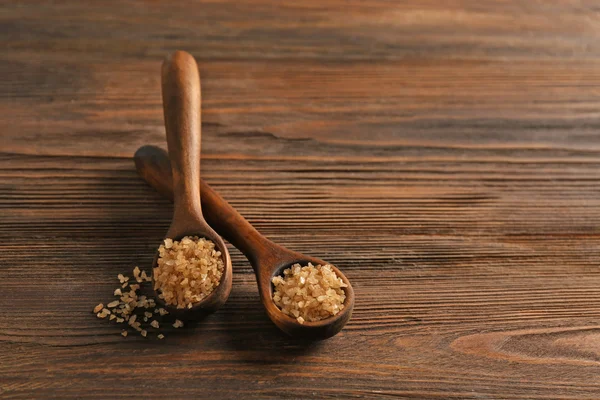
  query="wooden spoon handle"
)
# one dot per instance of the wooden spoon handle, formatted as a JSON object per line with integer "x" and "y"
{"x": 152, "y": 164}
{"x": 181, "y": 105}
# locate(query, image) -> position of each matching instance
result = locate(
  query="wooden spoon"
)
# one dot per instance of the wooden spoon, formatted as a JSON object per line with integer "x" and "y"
{"x": 181, "y": 104}
{"x": 267, "y": 258}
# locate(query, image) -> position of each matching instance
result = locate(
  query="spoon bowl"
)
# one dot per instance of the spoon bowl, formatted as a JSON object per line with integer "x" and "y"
{"x": 309, "y": 330}
{"x": 217, "y": 297}
{"x": 181, "y": 105}
{"x": 267, "y": 258}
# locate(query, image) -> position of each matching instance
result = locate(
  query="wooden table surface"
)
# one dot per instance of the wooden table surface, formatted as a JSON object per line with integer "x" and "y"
{"x": 444, "y": 154}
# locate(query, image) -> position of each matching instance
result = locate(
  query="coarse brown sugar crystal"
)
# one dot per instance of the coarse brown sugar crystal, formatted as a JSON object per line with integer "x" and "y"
{"x": 131, "y": 308}
{"x": 310, "y": 293}
{"x": 188, "y": 270}
{"x": 178, "y": 324}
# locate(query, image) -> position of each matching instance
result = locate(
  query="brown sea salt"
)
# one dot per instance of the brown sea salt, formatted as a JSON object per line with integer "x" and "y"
{"x": 309, "y": 293}
{"x": 145, "y": 278}
{"x": 188, "y": 270}
{"x": 113, "y": 304}
{"x": 104, "y": 313}
{"x": 130, "y": 308}
{"x": 136, "y": 274}
{"x": 178, "y": 324}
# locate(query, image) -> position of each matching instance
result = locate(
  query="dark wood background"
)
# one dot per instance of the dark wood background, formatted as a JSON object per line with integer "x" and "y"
{"x": 444, "y": 154}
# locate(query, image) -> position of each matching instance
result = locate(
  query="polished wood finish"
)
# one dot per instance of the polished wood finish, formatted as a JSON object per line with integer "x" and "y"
{"x": 266, "y": 257}
{"x": 444, "y": 154}
{"x": 181, "y": 105}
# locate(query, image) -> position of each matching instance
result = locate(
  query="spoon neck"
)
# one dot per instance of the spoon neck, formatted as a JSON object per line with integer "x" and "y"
{"x": 265, "y": 252}
{"x": 231, "y": 225}
{"x": 186, "y": 199}
{"x": 253, "y": 245}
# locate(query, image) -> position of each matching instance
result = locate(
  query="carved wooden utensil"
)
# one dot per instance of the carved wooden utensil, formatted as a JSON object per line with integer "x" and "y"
{"x": 181, "y": 104}
{"x": 267, "y": 258}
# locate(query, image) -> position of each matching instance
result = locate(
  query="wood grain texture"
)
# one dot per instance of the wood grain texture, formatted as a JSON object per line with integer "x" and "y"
{"x": 445, "y": 155}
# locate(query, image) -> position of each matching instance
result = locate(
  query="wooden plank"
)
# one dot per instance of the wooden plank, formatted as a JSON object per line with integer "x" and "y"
{"x": 460, "y": 136}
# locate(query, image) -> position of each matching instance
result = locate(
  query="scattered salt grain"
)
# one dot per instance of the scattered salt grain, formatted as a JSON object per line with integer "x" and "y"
{"x": 123, "y": 309}
{"x": 145, "y": 277}
{"x": 136, "y": 274}
{"x": 113, "y": 304}
{"x": 177, "y": 324}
